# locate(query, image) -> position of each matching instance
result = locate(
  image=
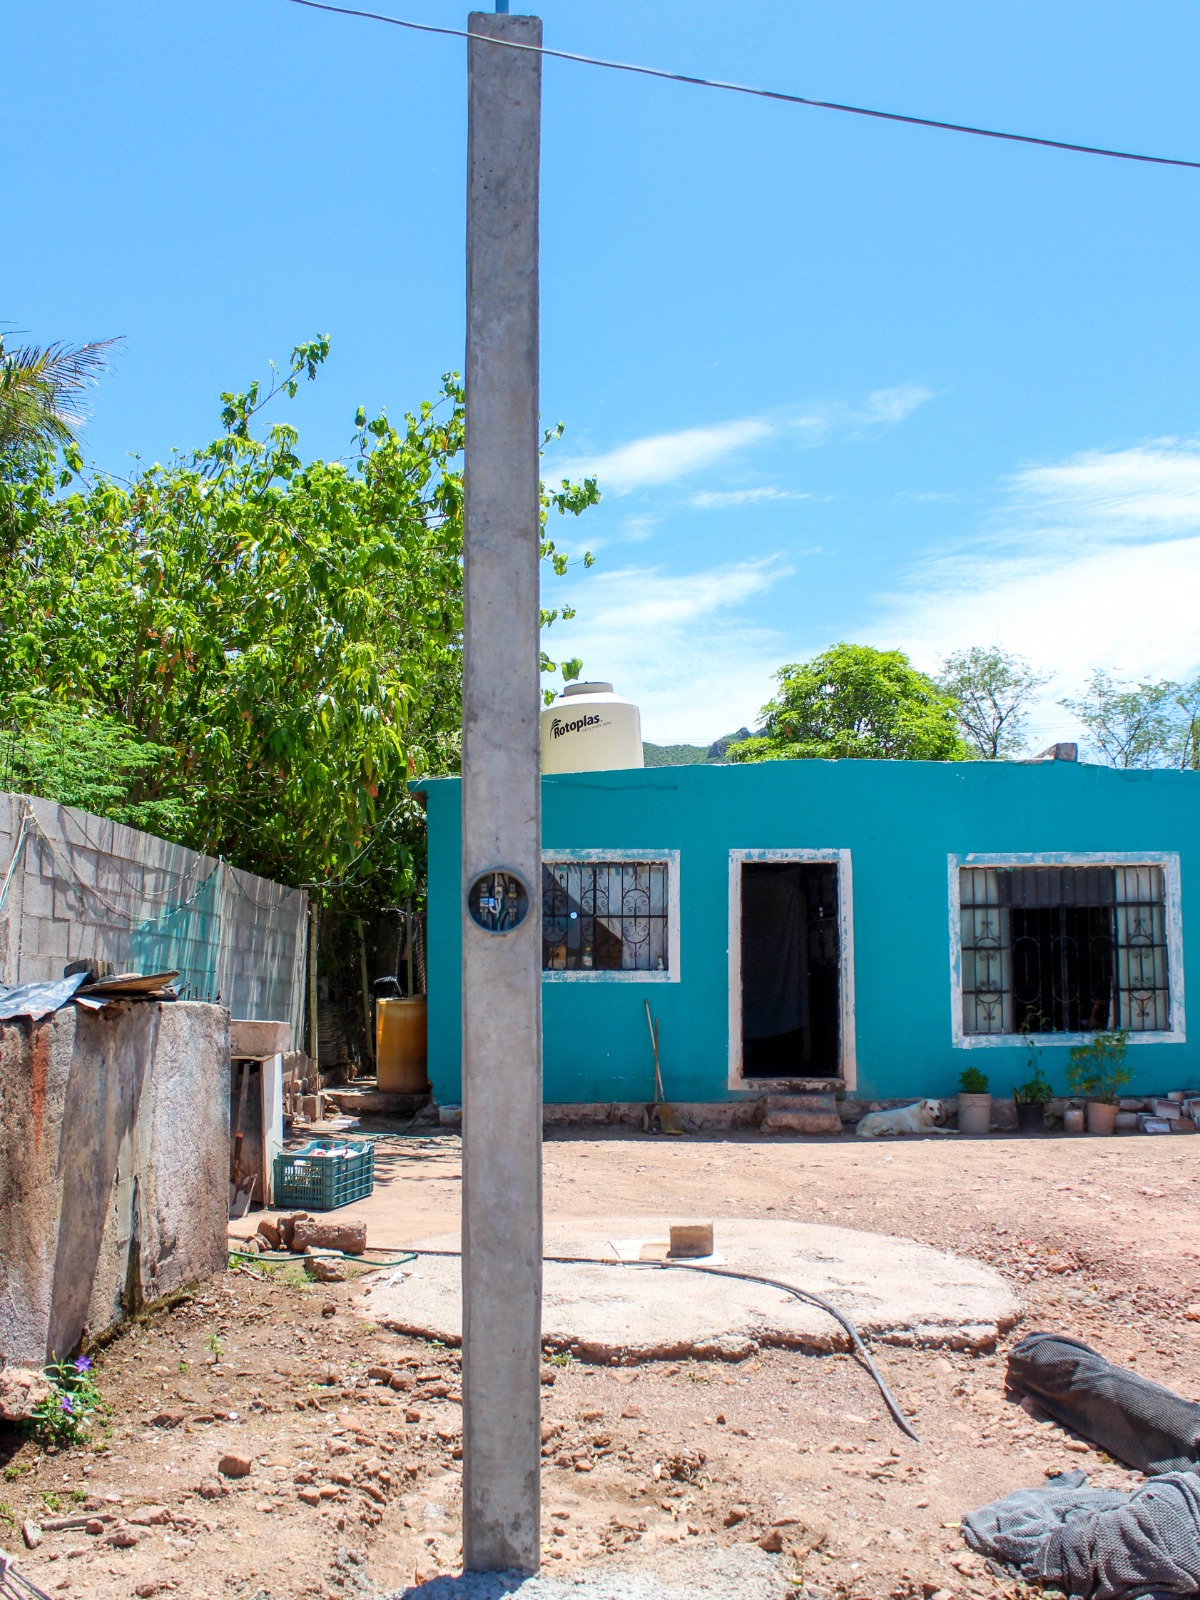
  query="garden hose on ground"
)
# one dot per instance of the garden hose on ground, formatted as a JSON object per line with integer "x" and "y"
{"x": 860, "y": 1349}
{"x": 805, "y": 1295}
{"x": 321, "y": 1252}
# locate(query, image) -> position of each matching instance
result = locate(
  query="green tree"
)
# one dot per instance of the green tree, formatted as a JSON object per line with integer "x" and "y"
{"x": 42, "y": 390}
{"x": 991, "y": 690}
{"x": 290, "y": 631}
{"x": 1153, "y": 723}
{"x": 854, "y": 701}
{"x": 86, "y": 759}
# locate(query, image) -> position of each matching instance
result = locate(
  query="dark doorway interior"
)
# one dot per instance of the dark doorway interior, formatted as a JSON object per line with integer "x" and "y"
{"x": 790, "y": 1011}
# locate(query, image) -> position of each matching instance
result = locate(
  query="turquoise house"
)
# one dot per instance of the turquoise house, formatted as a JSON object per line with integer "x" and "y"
{"x": 878, "y": 926}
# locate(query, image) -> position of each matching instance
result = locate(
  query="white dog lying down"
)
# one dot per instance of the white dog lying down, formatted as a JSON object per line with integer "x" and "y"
{"x": 921, "y": 1118}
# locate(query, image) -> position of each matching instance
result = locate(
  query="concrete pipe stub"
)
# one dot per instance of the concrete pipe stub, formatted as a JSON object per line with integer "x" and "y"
{"x": 894, "y": 1290}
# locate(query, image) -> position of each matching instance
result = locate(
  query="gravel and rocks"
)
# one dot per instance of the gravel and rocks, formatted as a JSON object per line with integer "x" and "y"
{"x": 706, "y": 1573}
{"x": 21, "y": 1392}
{"x": 782, "y": 1463}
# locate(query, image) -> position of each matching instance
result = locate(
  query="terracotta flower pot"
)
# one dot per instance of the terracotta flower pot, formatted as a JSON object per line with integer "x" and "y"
{"x": 974, "y": 1113}
{"x": 1101, "y": 1117}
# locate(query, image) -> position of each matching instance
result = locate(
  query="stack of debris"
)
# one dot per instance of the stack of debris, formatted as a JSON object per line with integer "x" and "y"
{"x": 323, "y": 1245}
{"x": 92, "y": 984}
{"x": 1177, "y": 1112}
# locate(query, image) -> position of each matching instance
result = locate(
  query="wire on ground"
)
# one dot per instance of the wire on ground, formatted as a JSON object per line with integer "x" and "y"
{"x": 806, "y": 1295}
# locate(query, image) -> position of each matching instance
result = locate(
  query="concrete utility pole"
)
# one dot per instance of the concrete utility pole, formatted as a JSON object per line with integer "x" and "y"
{"x": 501, "y": 793}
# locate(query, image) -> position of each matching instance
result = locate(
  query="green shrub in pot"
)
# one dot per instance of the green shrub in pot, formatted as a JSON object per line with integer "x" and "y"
{"x": 1097, "y": 1069}
{"x": 1035, "y": 1091}
{"x": 1032, "y": 1097}
{"x": 974, "y": 1102}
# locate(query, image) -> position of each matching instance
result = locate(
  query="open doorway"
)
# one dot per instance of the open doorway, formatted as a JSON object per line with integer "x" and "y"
{"x": 790, "y": 970}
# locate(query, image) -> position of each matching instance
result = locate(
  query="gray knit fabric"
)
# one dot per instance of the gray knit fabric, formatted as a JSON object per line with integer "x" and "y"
{"x": 1097, "y": 1543}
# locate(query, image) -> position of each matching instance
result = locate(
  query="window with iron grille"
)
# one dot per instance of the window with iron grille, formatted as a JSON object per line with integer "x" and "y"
{"x": 605, "y": 916}
{"x": 1061, "y": 949}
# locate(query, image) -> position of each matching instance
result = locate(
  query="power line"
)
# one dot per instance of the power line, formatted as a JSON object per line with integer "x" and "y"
{"x": 762, "y": 94}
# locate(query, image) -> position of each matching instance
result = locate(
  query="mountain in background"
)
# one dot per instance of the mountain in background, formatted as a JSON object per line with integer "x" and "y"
{"x": 691, "y": 755}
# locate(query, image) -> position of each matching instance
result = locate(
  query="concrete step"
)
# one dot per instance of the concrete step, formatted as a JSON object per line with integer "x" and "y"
{"x": 802, "y": 1102}
{"x": 371, "y": 1102}
{"x": 801, "y": 1113}
{"x": 793, "y": 1086}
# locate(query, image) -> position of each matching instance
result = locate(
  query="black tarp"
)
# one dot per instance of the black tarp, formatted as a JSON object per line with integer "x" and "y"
{"x": 1099, "y": 1544}
{"x": 1139, "y": 1422}
{"x": 774, "y": 951}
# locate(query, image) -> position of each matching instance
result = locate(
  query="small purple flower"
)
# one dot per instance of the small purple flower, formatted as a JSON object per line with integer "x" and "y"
{"x": 84, "y": 1364}
{"x": 67, "y": 1403}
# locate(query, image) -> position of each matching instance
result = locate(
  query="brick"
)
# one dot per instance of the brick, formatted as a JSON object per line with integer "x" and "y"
{"x": 149, "y": 1517}
{"x": 21, "y": 1390}
{"x": 39, "y": 896}
{"x": 312, "y": 1233}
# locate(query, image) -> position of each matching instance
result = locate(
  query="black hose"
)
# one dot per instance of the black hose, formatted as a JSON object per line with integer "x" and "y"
{"x": 806, "y": 1295}
{"x": 860, "y": 1349}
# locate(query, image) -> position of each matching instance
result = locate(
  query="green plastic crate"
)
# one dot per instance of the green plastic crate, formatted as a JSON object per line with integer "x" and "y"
{"x": 305, "y": 1181}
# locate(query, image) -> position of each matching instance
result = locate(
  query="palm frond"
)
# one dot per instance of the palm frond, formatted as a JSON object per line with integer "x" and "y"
{"x": 42, "y": 390}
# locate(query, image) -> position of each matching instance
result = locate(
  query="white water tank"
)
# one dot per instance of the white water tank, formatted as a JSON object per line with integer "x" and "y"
{"x": 591, "y": 729}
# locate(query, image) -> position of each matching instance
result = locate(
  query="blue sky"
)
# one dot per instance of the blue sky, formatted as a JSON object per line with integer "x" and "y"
{"x": 839, "y": 379}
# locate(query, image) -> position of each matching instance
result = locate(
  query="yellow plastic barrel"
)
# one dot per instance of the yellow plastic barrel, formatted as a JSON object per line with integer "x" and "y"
{"x": 401, "y": 1052}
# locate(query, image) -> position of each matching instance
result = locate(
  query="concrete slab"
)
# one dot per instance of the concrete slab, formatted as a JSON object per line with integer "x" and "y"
{"x": 257, "y": 1040}
{"x": 893, "y": 1290}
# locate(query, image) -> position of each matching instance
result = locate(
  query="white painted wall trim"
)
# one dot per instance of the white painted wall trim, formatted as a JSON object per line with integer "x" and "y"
{"x": 671, "y": 860}
{"x": 841, "y": 858}
{"x": 1168, "y": 860}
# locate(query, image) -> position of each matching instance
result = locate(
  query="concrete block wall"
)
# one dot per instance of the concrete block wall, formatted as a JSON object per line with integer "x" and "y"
{"x": 114, "y": 1163}
{"x": 84, "y": 887}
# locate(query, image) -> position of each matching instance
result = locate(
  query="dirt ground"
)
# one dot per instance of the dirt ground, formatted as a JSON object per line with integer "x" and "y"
{"x": 354, "y": 1482}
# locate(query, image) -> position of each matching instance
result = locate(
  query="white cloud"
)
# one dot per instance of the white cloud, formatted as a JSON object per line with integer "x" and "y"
{"x": 1154, "y": 488}
{"x": 1094, "y": 562}
{"x": 720, "y": 499}
{"x": 664, "y": 458}
{"x": 894, "y": 405}
{"x": 681, "y": 646}
{"x": 637, "y": 529}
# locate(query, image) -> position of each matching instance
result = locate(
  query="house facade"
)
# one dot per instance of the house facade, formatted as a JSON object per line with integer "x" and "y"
{"x": 878, "y": 926}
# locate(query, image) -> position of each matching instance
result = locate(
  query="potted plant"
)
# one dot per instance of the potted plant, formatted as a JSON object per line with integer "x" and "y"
{"x": 1098, "y": 1070}
{"x": 1032, "y": 1098}
{"x": 974, "y": 1102}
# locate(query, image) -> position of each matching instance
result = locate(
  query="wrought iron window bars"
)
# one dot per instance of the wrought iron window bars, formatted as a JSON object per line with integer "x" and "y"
{"x": 604, "y": 916}
{"x": 1061, "y": 949}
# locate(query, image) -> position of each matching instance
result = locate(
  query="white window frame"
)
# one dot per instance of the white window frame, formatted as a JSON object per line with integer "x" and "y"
{"x": 848, "y": 1064}
{"x": 1168, "y": 860}
{"x": 667, "y": 858}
